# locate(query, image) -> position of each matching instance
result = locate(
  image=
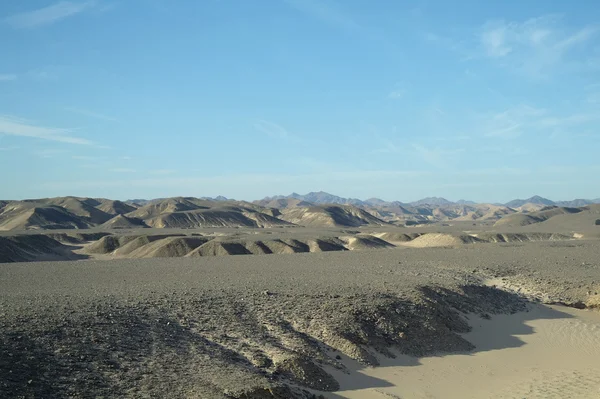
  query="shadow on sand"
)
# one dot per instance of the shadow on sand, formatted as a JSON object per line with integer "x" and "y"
{"x": 502, "y": 332}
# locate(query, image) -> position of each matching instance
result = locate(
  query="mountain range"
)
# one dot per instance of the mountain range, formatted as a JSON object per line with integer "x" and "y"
{"x": 322, "y": 197}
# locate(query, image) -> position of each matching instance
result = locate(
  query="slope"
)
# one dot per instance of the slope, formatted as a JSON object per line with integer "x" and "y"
{"x": 331, "y": 216}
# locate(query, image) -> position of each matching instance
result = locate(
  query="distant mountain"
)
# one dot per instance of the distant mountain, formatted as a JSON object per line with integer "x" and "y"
{"x": 465, "y": 202}
{"x": 142, "y": 202}
{"x": 432, "y": 201}
{"x": 576, "y": 202}
{"x": 536, "y": 200}
{"x": 376, "y": 202}
{"x": 321, "y": 197}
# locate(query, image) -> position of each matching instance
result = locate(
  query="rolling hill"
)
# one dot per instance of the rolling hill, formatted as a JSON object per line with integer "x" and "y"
{"x": 331, "y": 216}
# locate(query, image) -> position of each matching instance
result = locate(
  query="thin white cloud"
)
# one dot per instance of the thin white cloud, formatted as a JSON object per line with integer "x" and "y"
{"x": 18, "y": 127}
{"x": 11, "y": 148}
{"x": 5, "y": 77}
{"x": 89, "y": 113}
{"x": 535, "y": 47}
{"x": 122, "y": 170}
{"x": 48, "y": 15}
{"x": 272, "y": 129}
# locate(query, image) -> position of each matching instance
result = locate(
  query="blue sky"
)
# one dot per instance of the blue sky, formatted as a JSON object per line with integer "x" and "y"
{"x": 487, "y": 101}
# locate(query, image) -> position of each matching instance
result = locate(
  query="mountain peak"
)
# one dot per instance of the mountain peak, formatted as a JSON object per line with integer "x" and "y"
{"x": 435, "y": 201}
{"x": 536, "y": 199}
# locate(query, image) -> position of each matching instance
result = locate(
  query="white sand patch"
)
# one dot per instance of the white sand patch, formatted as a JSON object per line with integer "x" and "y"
{"x": 549, "y": 352}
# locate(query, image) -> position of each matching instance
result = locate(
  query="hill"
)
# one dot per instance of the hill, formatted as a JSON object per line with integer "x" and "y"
{"x": 123, "y": 222}
{"x": 331, "y": 216}
{"x": 115, "y": 207}
{"x": 225, "y": 216}
{"x": 520, "y": 219}
{"x": 30, "y": 216}
{"x": 536, "y": 199}
{"x": 280, "y": 203}
{"x": 433, "y": 201}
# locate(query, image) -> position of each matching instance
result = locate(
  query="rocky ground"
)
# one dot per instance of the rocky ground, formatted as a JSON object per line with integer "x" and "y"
{"x": 262, "y": 326}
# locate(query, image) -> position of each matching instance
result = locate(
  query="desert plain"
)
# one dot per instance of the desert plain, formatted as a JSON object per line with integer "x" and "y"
{"x": 298, "y": 298}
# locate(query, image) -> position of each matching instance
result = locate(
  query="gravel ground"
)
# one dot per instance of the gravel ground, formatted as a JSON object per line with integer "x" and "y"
{"x": 261, "y": 326}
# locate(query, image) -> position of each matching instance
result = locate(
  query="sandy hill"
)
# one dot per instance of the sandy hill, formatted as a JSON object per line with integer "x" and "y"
{"x": 115, "y": 207}
{"x": 484, "y": 212}
{"x": 520, "y": 219}
{"x": 34, "y": 247}
{"x": 441, "y": 240}
{"x": 584, "y": 221}
{"x": 169, "y": 247}
{"x": 82, "y": 207}
{"x": 164, "y": 206}
{"x": 227, "y": 216}
{"x": 29, "y": 216}
{"x": 528, "y": 208}
{"x": 330, "y": 216}
{"x": 364, "y": 241}
{"x": 123, "y": 222}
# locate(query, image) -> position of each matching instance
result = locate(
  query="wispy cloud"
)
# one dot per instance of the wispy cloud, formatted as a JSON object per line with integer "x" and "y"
{"x": 18, "y": 127}
{"x": 326, "y": 12}
{"x": 272, "y": 129}
{"x": 48, "y": 15}
{"x": 122, "y": 170}
{"x": 524, "y": 119}
{"x": 533, "y": 47}
{"x": 5, "y": 77}
{"x": 89, "y": 113}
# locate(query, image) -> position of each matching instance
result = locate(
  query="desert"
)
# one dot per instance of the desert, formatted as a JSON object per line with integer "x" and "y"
{"x": 188, "y": 297}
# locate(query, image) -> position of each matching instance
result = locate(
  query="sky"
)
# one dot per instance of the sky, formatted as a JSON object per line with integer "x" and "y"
{"x": 485, "y": 101}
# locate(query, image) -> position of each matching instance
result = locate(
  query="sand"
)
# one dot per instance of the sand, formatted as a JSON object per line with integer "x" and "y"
{"x": 548, "y": 352}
